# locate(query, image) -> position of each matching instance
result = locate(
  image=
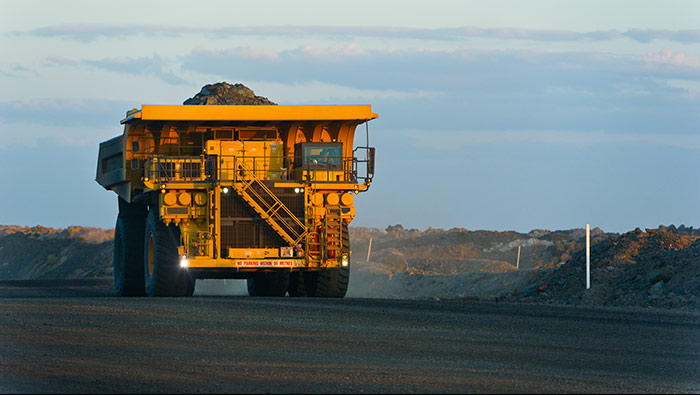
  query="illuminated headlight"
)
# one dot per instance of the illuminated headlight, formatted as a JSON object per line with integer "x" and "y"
{"x": 184, "y": 263}
{"x": 224, "y": 189}
{"x": 345, "y": 262}
{"x": 296, "y": 190}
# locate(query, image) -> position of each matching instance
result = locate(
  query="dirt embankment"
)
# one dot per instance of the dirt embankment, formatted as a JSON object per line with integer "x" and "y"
{"x": 46, "y": 253}
{"x": 653, "y": 268}
{"x": 657, "y": 268}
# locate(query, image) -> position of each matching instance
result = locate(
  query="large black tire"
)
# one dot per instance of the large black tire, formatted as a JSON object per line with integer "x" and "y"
{"x": 128, "y": 250}
{"x": 330, "y": 283}
{"x": 161, "y": 264}
{"x": 297, "y": 286}
{"x": 327, "y": 283}
{"x": 268, "y": 284}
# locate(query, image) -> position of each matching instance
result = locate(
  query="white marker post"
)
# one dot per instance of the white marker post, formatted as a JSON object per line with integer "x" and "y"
{"x": 517, "y": 263}
{"x": 588, "y": 256}
{"x": 369, "y": 249}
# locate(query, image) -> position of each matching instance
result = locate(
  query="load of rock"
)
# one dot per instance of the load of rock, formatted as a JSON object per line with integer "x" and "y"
{"x": 223, "y": 93}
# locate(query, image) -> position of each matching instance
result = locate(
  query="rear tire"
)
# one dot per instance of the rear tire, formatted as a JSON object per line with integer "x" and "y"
{"x": 161, "y": 264}
{"x": 328, "y": 283}
{"x": 128, "y": 250}
{"x": 297, "y": 286}
{"x": 268, "y": 284}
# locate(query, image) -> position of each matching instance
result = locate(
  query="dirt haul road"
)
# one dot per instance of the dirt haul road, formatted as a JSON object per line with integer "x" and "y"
{"x": 72, "y": 337}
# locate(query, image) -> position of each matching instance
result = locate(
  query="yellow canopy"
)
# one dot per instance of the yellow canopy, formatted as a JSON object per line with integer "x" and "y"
{"x": 252, "y": 113}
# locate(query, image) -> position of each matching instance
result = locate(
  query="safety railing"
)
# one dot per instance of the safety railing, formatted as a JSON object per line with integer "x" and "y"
{"x": 326, "y": 169}
{"x": 366, "y": 161}
{"x": 221, "y": 168}
{"x": 178, "y": 168}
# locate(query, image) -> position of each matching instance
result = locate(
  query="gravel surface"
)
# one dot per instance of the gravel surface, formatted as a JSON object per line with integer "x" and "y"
{"x": 72, "y": 337}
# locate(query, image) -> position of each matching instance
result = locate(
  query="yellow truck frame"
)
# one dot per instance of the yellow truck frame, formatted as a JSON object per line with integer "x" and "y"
{"x": 263, "y": 193}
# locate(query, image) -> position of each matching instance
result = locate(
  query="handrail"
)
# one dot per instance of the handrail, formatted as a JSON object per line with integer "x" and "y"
{"x": 224, "y": 168}
{"x": 177, "y": 168}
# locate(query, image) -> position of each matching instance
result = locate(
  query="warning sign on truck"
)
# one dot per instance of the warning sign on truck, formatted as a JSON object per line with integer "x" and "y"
{"x": 269, "y": 263}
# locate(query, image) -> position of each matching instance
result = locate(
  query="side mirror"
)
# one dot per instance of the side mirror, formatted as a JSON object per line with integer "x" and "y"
{"x": 370, "y": 161}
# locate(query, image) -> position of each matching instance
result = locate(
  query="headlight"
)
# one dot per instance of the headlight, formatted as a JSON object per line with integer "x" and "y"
{"x": 184, "y": 263}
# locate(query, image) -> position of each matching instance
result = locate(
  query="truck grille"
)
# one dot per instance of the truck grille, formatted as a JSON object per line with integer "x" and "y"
{"x": 242, "y": 227}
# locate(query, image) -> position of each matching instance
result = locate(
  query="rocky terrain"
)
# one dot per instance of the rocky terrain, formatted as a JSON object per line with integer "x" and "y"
{"x": 45, "y": 253}
{"x": 656, "y": 268}
{"x": 227, "y": 94}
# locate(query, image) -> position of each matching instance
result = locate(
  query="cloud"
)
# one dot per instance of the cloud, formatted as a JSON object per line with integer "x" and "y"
{"x": 18, "y": 71}
{"x": 32, "y": 134}
{"x": 458, "y": 139}
{"x": 648, "y": 35}
{"x": 334, "y": 51}
{"x": 431, "y": 70}
{"x": 86, "y": 32}
{"x": 61, "y": 61}
{"x": 667, "y": 56}
{"x": 481, "y": 90}
{"x": 154, "y": 66}
{"x": 432, "y": 89}
{"x": 315, "y": 92}
{"x": 93, "y": 32}
{"x": 50, "y": 114}
{"x": 692, "y": 88}
{"x": 255, "y": 53}
{"x": 151, "y": 66}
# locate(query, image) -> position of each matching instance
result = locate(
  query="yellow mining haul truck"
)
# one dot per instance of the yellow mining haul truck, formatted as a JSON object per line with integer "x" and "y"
{"x": 263, "y": 193}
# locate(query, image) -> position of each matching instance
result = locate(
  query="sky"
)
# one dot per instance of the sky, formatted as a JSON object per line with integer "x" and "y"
{"x": 496, "y": 115}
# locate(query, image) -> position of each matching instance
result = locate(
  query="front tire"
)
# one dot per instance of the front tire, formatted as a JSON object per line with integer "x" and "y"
{"x": 161, "y": 264}
{"x": 128, "y": 250}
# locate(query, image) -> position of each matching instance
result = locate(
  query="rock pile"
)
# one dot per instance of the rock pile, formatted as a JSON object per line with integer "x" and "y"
{"x": 656, "y": 268}
{"x": 223, "y": 93}
{"x": 45, "y": 253}
{"x": 460, "y": 250}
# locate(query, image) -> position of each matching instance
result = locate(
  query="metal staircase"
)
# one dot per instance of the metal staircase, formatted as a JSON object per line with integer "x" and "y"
{"x": 247, "y": 189}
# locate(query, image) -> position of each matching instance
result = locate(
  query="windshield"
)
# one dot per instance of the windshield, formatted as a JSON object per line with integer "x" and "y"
{"x": 330, "y": 155}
